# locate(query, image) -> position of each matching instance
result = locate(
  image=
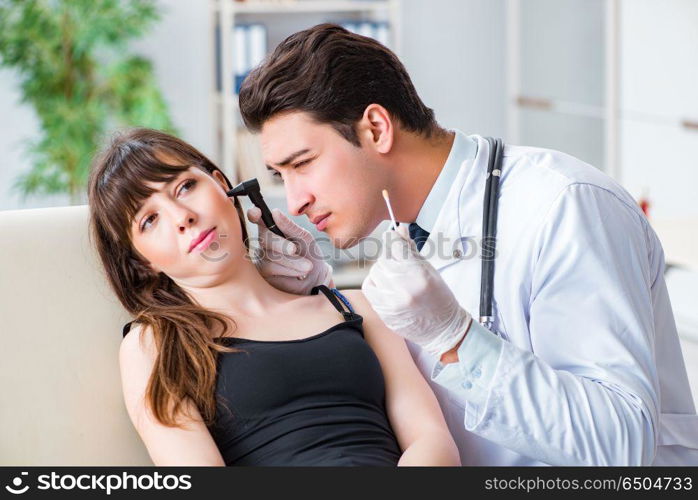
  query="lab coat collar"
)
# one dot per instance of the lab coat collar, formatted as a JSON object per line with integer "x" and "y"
{"x": 458, "y": 225}
{"x": 463, "y": 148}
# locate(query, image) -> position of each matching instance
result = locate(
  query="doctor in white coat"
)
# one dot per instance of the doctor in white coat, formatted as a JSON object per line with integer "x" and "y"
{"x": 583, "y": 364}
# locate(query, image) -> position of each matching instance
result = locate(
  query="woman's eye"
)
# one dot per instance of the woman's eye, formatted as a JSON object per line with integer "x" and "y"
{"x": 276, "y": 174}
{"x": 188, "y": 184}
{"x": 301, "y": 163}
{"x": 146, "y": 221}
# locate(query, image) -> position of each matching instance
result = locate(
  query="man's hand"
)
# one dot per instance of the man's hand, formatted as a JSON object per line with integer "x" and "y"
{"x": 412, "y": 299}
{"x": 295, "y": 264}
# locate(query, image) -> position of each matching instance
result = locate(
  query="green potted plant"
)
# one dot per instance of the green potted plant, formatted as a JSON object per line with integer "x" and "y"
{"x": 75, "y": 71}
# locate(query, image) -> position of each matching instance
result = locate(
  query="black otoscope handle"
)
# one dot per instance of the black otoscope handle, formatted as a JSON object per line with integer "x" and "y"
{"x": 257, "y": 200}
{"x": 250, "y": 188}
{"x": 269, "y": 220}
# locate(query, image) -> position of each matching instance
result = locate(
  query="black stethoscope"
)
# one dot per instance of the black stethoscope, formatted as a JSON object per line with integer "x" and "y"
{"x": 489, "y": 230}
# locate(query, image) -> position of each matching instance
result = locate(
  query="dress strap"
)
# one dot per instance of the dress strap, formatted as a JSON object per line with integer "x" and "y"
{"x": 335, "y": 297}
{"x": 126, "y": 329}
{"x": 338, "y": 300}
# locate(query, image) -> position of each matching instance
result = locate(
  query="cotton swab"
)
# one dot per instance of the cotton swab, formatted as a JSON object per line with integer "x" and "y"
{"x": 390, "y": 209}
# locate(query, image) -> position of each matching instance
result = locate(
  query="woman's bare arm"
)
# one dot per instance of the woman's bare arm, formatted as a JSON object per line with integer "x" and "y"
{"x": 166, "y": 445}
{"x": 413, "y": 410}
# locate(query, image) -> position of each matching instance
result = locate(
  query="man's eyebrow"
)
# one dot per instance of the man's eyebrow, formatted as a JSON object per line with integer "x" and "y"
{"x": 290, "y": 158}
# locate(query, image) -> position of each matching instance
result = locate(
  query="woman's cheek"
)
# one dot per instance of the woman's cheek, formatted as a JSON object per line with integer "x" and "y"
{"x": 162, "y": 252}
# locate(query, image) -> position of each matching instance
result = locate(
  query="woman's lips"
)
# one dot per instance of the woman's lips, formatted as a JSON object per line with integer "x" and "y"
{"x": 203, "y": 244}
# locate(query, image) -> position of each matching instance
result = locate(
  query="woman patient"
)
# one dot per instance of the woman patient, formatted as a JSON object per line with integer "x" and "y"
{"x": 220, "y": 368}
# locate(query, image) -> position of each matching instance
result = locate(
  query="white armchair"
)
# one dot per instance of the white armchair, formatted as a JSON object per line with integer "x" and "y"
{"x": 60, "y": 330}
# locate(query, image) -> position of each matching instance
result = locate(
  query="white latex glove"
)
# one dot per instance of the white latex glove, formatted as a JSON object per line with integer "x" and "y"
{"x": 411, "y": 298}
{"x": 295, "y": 264}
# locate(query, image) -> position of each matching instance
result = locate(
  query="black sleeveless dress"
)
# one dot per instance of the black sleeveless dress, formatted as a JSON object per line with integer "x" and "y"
{"x": 317, "y": 401}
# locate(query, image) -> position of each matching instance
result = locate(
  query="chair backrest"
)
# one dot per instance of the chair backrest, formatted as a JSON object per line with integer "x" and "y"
{"x": 60, "y": 331}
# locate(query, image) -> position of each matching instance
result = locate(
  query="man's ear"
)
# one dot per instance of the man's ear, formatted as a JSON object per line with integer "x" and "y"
{"x": 376, "y": 128}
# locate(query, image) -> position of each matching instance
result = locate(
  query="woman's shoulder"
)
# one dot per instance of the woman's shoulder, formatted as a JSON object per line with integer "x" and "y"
{"x": 357, "y": 299}
{"x": 138, "y": 343}
{"x": 384, "y": 341}
{"x": 350, "y": 293}
{"x": 306, "y": 306}
{"x": 346, "y": 300}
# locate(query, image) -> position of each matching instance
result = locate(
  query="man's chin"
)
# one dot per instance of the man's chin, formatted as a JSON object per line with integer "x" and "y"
{"x": 344, "y": 240}
{"x": 344, "y": 243}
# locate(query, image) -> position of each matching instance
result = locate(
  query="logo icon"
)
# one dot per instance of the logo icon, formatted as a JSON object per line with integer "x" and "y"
{"x": 215, "y": 245}
{"x": 17, "y": 482}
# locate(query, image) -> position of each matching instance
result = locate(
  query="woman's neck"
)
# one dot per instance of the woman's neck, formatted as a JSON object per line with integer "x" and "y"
{"x": 241, "y": 292}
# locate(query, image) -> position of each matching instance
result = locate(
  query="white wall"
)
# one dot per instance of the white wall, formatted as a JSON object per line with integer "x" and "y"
{"x": 561, "y": 57}
{"x": 180, "y": 48}
{"x": 659, "y": 78}
{"x": 453, "y": 49}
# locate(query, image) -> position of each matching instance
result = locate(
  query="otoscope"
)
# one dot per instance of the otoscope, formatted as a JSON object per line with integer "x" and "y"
{"x": 250, "y": 188}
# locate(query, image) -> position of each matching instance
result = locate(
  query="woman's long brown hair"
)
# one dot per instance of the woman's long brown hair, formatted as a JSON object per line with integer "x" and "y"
{"x": 185, "y": 367}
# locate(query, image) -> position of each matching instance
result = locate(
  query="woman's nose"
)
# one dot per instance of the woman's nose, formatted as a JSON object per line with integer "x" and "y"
{"x": 186, "y": 221}
{"x": 184, "y": 226}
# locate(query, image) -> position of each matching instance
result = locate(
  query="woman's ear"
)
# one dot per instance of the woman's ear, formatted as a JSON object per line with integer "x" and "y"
{"x": 218, "y": 177}
{"x": 376, "y": 128}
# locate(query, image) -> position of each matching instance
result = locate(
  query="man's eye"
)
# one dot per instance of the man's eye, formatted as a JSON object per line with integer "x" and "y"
{"x": 277, "y": 174}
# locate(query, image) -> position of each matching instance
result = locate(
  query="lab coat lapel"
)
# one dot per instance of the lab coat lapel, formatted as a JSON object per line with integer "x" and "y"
{"x": 459, "y": 224}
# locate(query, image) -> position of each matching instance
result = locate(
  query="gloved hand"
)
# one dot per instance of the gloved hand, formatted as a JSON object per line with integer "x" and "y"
{"x": 295, "y": 264}
{"x": 411, "y": 298}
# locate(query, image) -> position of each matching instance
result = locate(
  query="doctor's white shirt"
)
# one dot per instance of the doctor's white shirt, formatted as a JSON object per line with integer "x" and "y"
{"x": 585, "y": 367}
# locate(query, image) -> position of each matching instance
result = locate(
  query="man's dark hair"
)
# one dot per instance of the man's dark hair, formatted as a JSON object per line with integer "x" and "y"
{"x": 333, "y": 75}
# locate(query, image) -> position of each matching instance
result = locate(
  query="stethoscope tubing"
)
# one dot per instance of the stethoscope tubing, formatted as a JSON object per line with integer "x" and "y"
{"x": 489, "y": 230}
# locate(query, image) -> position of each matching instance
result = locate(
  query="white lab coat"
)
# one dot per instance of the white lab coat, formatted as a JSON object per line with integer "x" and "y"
{"x": 590, "y": 370}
